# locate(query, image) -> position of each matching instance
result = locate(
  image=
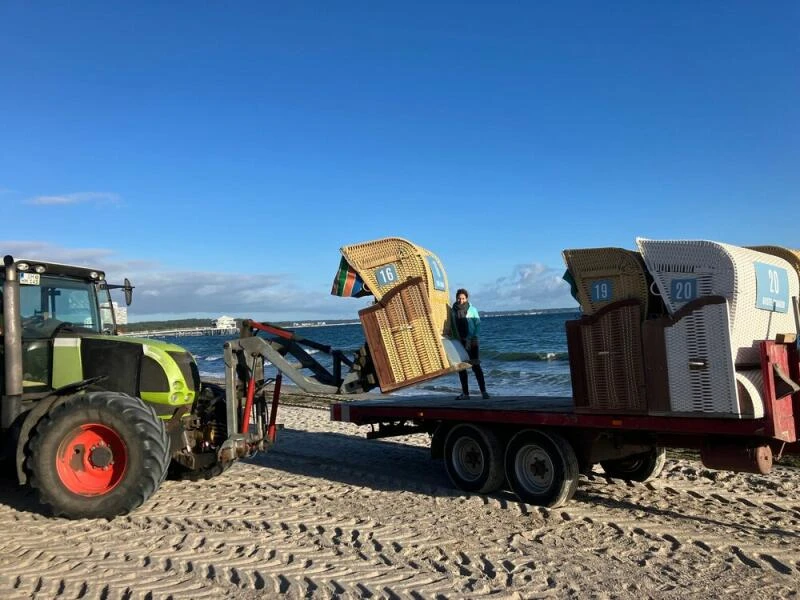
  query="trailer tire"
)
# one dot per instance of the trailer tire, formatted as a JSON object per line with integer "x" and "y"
{"x": 473, "y": 459}
{"x": 97, "y": 455}
{"x": 541, "y": 468}
{"x": 639, "y": 467}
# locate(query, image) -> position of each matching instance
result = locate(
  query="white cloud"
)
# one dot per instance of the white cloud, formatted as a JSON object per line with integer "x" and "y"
{"x": 172, "y": 294}
{"x": 529, "y": 286}
{"x": 164, "y": 293}
{"x": 87, "y": 257}
{"x": 76, "y": 198}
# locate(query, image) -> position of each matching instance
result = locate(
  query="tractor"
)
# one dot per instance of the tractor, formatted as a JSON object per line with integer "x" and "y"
{"x": 95, "y": 421}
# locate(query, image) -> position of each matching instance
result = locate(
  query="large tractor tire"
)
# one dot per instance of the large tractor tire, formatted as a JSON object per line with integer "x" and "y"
{"x": 98, "y": 455}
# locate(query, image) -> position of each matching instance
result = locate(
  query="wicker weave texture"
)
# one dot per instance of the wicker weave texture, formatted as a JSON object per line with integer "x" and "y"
{"x": 612, "y": 350}
{"x": 749, "y": 386}
{"x": 699, "y": 364}
{"x": 724, "y": 270}
{"x": 788, "y": 254}
{"x": 407, "y": 260}
{"x": 408, "y": 334}
{"x": 615, "y": 273}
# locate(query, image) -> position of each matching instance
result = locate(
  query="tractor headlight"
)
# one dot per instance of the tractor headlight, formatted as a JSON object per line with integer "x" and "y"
{"x": 23, "y": 266}
{"x": 177, "y": 385}
{"x": 175, "y": 398}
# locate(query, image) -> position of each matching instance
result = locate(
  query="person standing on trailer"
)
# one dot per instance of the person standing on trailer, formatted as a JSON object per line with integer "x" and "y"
{"x": 466, "y": 327}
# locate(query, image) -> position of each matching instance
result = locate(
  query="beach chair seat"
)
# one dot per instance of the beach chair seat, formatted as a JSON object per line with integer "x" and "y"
{"x": 609, "y": 360}
{"x": 403, "y": 339}
{"x": 689, "y": 368}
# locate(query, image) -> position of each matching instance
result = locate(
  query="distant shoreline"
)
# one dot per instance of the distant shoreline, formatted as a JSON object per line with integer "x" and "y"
{"x": 136, "y": 326}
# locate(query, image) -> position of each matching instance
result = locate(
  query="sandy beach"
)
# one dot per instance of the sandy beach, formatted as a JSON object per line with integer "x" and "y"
{"x": 329, "y": 514}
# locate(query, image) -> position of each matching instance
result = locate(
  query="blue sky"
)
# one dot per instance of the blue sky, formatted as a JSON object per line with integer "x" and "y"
{"x": 219, "y": 154}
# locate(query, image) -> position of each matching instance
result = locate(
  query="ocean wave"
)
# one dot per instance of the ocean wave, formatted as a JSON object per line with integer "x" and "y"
{"x": 523, "y": 356}
{"x": 211, "y": 358}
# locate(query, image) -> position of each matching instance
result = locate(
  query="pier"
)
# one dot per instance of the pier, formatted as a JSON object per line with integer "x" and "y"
{"x": 182, "y": 332}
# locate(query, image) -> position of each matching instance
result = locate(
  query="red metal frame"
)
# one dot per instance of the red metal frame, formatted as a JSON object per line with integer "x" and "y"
{"x": 248, "y": 405}
{"x": 778, "y": 412}
{"x": 778, "y": 422}
{"x": 273, "y": 329}
{"x": 365, "y": 414}
{"x": 272, "y": 428}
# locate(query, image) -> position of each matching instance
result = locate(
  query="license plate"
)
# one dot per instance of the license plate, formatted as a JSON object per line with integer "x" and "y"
{"x": 29, "y": 279}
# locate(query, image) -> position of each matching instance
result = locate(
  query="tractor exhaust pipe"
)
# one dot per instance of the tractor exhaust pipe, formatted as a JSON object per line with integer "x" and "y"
{"x": 12, "y": 346}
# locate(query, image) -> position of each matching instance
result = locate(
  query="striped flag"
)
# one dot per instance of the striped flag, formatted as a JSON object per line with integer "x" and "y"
{"x": 348, "y": 283}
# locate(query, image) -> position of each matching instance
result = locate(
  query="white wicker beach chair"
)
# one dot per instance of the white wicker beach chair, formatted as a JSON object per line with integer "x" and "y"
{"x": 759, "y": 287}
{"x": 700, "y": 369}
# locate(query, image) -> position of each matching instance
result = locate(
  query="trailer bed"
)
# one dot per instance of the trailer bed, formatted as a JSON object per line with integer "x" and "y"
{"x": 538, "y": 445}
{"x": 555, "y": 411}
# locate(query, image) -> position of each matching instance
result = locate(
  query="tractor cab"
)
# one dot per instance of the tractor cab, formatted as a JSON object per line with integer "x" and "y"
{"x": 66, "y": 325}
{"x": 58, "y": 301}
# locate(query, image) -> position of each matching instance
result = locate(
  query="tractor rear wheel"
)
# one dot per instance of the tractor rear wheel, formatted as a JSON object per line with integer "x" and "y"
{"x": 98, "y": 455}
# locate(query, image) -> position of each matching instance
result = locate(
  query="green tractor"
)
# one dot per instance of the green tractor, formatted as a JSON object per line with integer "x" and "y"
{"x": 95, "y": 421}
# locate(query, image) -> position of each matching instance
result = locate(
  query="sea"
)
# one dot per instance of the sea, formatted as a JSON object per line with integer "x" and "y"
{"x": 520, "y": 355}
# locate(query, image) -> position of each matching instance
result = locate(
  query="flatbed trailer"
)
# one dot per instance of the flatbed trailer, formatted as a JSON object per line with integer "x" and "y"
{"x": 538, "y": 445}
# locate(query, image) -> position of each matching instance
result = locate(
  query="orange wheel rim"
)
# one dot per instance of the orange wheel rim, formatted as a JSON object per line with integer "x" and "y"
{"x": 92, "y": 460}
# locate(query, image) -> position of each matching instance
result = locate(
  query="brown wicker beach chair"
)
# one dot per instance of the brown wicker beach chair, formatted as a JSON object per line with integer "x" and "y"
{"x": 605, "y": 352}
{"x": 404, "y": 341}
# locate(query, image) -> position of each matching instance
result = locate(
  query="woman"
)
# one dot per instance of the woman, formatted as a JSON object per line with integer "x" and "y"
{"x": 466, "y": 325}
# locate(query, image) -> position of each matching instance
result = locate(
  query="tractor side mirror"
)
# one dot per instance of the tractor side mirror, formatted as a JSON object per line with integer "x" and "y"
{"x": 128, "y": 292}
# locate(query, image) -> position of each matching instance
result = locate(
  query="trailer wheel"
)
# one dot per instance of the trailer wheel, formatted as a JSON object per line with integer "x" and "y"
{"x": 640, "y": 467}
{"x": 541, "y": 468}
{"x": 473, "y": 458}
{"x": 99, "y": 454}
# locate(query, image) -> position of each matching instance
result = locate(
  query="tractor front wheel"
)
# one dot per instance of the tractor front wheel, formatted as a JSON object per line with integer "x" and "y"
{"x": 97, "y": 455}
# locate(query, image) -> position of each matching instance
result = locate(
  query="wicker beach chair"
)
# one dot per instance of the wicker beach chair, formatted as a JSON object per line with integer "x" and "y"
{"x": 689, "y": 367}
{"x": 608, "y": 365}
{"x": 606, "y": 275}
{"x": 385, "y": 263}
{"x": 404, "y": 341}
{"x": 685, "y": 270}
{"x": 790, "y": 255}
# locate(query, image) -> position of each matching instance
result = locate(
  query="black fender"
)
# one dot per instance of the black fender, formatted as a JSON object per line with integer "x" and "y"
{"x": 42, "y": 407}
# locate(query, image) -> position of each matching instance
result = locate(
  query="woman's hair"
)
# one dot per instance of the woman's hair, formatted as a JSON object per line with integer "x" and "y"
{"x": 460, "y": 291}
